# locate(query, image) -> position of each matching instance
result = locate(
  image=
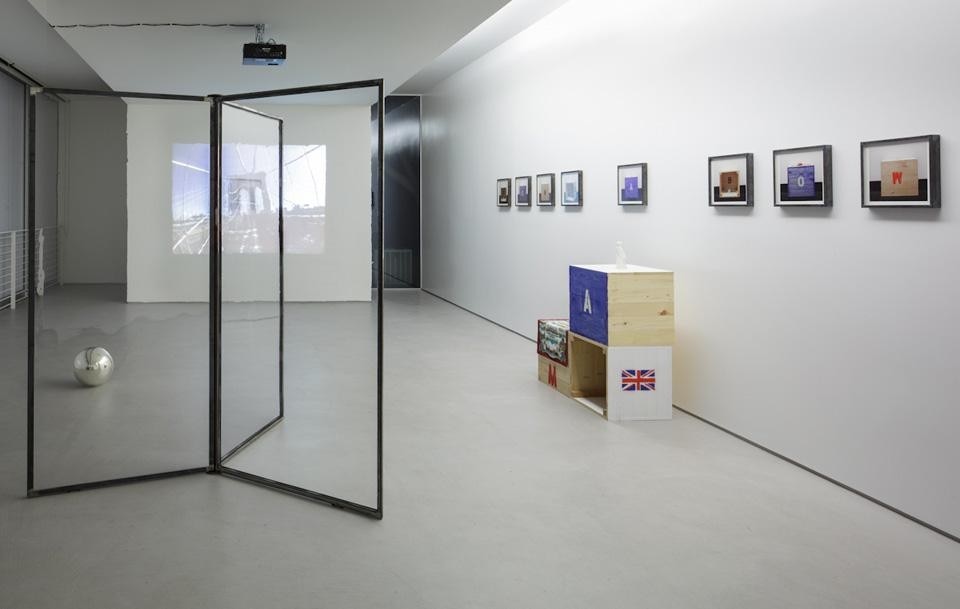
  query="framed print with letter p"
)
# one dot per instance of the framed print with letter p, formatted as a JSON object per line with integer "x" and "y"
{"x": 903, "y": 172}
{"x": 503, "y": 192}
{"x": 803, "y": 177}
{"x": 731, "y": 180}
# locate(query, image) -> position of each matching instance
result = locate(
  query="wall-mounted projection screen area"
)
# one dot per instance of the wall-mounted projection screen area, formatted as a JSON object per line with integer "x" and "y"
{"x": 326, "y": 198}
{"x": 297, "y": 341}
{"x": 253, "y": 196}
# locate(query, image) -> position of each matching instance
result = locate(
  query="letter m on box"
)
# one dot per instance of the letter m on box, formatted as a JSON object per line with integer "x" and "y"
{"x": 588, "y": 303}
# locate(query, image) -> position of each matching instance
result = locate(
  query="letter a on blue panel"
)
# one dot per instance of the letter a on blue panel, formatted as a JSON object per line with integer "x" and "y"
{"x": 588, "y": 303}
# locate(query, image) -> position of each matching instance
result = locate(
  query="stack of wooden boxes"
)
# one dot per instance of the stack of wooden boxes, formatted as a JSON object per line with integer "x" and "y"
{"x": 618, "y": 353}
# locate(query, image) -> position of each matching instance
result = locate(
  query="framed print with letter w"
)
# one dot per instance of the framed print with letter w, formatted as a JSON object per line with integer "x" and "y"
{"x": 903, "y": 172}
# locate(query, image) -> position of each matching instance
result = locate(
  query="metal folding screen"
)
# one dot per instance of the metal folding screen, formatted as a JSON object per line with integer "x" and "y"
{"x": 216, "y": 454}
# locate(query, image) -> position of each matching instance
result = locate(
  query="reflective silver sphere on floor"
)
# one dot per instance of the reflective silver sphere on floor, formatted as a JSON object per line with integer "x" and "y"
{"x": 93, "y": 366}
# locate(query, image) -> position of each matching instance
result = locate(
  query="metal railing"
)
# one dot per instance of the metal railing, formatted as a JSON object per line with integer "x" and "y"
{"x": 14, "y": 260}
{"x": 397, "y": 268}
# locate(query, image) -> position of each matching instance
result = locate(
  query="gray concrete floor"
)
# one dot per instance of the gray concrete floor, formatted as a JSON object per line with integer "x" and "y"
{"x": 499, "y": 493}
{"x": 152, "y": 415}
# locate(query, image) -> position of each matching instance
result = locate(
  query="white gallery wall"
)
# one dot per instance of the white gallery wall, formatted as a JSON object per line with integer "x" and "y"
{"x": 830, "y": 336}
{"x": 340, "y": 273}
{"x": 93, "y": 211}
{"x": 154, "y": 272}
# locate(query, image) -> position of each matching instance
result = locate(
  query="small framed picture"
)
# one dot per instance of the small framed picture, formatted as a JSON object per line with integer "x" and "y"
{"x": 503, "y": 192}
{"x": 632, "y": 184}
{"x": 545, "y": 182}
{"x": 523, "y": 191}
{"x": 571, "y": 185}
{"x": 903, "y": 172}
{"x": 731, "y": 180}
{"x": 803, "y": 177}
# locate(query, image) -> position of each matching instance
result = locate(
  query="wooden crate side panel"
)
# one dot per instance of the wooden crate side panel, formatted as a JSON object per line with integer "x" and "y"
{"x": 558, "y": 378}
{"x": 641, "y": 309}
{"x": 588, "y": 369}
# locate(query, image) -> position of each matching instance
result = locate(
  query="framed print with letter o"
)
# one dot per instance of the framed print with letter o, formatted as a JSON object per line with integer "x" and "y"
{"x": 731, "y": 180}
{"x": 503, "y": 192}
{"x": 632, "y": 184}
{"x": 903, "y": 172}
{"x": 803, "y": 177}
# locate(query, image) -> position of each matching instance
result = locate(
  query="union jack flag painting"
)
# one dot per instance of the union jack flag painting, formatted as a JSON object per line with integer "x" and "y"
{"x": 638, "y": 380}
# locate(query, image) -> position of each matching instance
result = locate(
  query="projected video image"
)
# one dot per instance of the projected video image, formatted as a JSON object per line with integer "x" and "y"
{"x": 191, "y": 198}
{"x": 251, "y": 199}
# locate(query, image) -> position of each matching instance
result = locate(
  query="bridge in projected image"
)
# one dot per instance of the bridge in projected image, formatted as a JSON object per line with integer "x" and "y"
{"x": 251, "y": 189}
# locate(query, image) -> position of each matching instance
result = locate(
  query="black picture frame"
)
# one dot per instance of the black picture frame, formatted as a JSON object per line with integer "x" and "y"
{"x": 745, "y": 199}
{"x": 823, "y": 190}
{"x": 504, "y": 195}
{"x": 563, "y": 196}
{"x": 528, "y": 180}
{"x": 929, "y": 188}
{"x": 551, "y": 179}
{"x": 644, "y": 191}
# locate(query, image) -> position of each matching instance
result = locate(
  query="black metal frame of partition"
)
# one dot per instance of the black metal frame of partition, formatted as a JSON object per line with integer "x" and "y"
{"x": 216, "y": 458}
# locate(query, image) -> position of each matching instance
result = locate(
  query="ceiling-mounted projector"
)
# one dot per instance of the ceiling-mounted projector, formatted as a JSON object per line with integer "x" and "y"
{"x": 262, "y": 53}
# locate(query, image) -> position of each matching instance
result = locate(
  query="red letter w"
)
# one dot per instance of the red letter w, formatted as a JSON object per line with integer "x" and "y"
{"x": 552, "y": 376}
{"x": 898, "y": 177}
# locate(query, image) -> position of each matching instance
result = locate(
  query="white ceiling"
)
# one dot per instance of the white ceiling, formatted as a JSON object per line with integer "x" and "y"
{"x": 28, "y": 42}
{"x": 509, "y": 21}
{"x": 327, "y": 40}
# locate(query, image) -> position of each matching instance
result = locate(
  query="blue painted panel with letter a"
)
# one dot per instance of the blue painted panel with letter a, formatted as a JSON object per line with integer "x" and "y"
{"x": 588, "y": 303}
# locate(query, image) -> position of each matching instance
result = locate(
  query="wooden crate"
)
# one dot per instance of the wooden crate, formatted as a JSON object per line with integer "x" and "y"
{"x": 600, "y": 379}
{"x": 622, "y": 307}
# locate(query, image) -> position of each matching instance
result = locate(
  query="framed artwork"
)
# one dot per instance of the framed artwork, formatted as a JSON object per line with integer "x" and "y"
{"x": 632, "y": 184}
{"x": 545, "y": 183}
{"x": 503, "y": 192}
{"x": 571, "y": 188}
{"x": 803, "y": 177}
{"x": 731, "y": 180}
{"x": 902, "y": 172}
{"x": 523, "y": 191}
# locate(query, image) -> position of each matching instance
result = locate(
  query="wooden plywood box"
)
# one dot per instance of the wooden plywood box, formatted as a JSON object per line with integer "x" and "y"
{"x": 632, "y": 306}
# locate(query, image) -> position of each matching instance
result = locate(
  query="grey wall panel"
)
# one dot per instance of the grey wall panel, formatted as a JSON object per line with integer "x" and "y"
{"x": 12, "y": 154}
